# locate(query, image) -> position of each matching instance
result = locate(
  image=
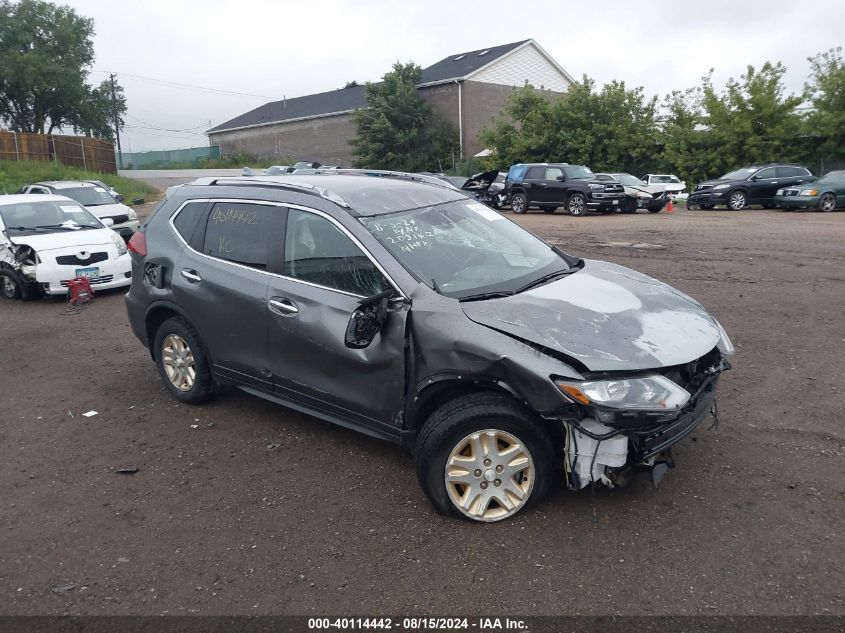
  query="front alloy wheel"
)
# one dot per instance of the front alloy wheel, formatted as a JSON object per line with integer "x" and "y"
{"x": 519, "y": 203}
{"x": 577, "y": 204}
{"x": 489, "y": 475}
{"x": 737, "y": 200}
{"x": 483, "y": 457}
{"x": 827, "y": 202}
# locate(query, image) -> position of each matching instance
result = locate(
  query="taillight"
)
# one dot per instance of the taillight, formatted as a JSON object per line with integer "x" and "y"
{"x": 138, "y": 244}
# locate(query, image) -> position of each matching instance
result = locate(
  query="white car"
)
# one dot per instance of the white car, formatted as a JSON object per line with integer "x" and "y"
{"x": 672, "y": 184}
{"x": 45, "y": 241}
{"x": 94, "y": 198}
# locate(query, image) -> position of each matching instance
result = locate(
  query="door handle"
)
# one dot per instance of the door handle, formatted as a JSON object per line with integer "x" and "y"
{"x": 543, "y": 185}
{"x": 191, "y": 275}
{"x": 285, "y": 307}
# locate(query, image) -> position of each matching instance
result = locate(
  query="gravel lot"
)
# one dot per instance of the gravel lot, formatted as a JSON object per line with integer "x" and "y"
{"x": 244, "y": 507}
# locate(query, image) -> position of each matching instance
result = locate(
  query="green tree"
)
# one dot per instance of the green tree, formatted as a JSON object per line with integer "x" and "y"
{"x": 398, "y": 130}
{"x": 608, "y": 129}
{"x": 45, "y": 53}
{"x": 752, "y": 120}
{"x": 826, "y": 92}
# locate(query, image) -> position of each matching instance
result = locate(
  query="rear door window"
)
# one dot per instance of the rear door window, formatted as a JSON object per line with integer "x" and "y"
{"x": 187, "y": 219}
{"x": 765, "y": 174}
{"x": 243, "y": 233}
{"x": 536, "y": 173}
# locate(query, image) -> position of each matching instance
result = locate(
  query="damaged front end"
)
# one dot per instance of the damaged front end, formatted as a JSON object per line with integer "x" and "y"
{"x": 620, "y": 425}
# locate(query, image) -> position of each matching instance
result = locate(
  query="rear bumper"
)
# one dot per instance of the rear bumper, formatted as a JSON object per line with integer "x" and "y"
{"x": 136, "y": 311}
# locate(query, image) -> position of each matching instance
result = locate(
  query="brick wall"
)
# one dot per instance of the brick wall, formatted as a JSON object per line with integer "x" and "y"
{"x": 324, "y": 139}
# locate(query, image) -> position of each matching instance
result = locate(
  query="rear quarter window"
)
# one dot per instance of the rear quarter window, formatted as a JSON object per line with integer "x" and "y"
{"x": 186, "y": 220}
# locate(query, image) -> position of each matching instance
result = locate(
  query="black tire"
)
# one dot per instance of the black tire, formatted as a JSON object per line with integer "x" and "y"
{"x": 11, "y": 285}
{"x": 576, "y": 204}
{"x": 548, "y": 209}
{"x": 453, "y": 422}
{"x": 737, "y": 200}
{"x": 203, "y": 384}
{"x": 827, "y": 203}
{"x": 519, "y": 203}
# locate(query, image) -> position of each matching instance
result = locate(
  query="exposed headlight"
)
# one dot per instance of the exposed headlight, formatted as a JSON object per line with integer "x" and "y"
{"x": 725, "y": 346}
{"x": 809, "y": 192}
{"x": 720, "y": 187}
{"x": 119, "y": 243}
{"x": 650, "y": 393}
{"x": 597, "y": 187}
{"x": 779, "y": 192}
{"x": 132, "y": 215}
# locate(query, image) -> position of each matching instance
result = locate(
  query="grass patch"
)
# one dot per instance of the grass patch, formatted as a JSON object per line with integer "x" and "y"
{"x": 14, "y": 175}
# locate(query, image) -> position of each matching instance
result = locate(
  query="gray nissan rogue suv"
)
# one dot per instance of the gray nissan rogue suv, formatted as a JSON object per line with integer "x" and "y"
{"x": 402, "y": 308}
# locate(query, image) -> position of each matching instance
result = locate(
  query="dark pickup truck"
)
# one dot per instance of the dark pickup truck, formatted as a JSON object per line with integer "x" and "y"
{"x": 552, "y": 185}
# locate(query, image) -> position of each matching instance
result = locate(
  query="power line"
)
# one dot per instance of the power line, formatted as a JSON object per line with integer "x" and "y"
{"x": 190, "y": 130}
{"x": 183, "y": 86}
{"x": 146, "y": 133}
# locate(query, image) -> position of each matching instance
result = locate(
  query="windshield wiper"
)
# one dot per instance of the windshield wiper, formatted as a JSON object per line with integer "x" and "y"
{"x": 59, "y": 226}
{"x": 547, "y": 278}
{"x": 487, "y": 295}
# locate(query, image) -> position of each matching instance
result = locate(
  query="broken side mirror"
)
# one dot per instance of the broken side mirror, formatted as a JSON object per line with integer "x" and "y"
{"x": 367, "y": 320}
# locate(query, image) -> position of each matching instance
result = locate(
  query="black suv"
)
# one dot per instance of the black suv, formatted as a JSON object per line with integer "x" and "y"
{"x": 755, "y": 184}
{"x": 406, "y": 310}
{"x": 551, "y": 185}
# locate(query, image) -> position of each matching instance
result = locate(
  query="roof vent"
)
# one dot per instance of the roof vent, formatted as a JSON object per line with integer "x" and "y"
{"x": 458, "y": 58}
{"x": 484, "y": 52}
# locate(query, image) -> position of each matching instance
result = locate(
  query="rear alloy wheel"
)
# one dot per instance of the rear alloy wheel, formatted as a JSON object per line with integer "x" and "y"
{"x": 483, "y": 457}
{"x": 9, "y": 286}
{"x": 827, "y": 203}
{"x": 181, "y": 361}
{"x": 519, "y": 203}
{"x": 577, "y": 204}
{"x": 737, "y": 200}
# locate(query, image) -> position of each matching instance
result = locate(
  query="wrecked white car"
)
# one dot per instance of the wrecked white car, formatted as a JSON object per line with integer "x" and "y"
{"x": 45, "y": 241}
{"x": 638, "y": 194}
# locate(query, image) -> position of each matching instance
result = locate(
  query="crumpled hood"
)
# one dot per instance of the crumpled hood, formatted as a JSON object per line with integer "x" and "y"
{"x": 608, "y": 317}
{"x": 81, "y": 240}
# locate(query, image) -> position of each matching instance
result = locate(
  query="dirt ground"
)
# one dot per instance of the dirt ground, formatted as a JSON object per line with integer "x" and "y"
{"x": 243, "y": 507}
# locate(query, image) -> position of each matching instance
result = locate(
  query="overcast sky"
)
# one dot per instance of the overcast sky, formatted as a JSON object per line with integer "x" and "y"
{"x": 272, "y": 49}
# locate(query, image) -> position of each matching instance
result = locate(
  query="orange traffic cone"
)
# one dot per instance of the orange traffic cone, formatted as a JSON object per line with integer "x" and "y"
{"x": 669, "y": 208}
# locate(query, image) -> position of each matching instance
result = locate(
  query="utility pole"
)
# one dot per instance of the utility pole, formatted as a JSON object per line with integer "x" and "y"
{"x": 116, "y": 123}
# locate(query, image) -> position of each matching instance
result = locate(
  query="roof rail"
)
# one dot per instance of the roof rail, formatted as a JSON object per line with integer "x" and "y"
{"x": 258, "y": 181}
{"x": 400, "y": 175}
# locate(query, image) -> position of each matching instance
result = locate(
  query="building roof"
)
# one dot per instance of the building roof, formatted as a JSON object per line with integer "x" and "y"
{"x": 461, "y": 65}
{"x": 307, "y": 107}
{"x": 456, "y": 66}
